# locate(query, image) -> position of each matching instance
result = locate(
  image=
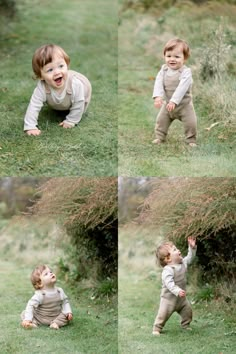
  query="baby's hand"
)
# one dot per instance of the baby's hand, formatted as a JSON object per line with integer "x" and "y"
{"x": 158, "y": 102}
{"x": 69, "y": 316}
{"x": 192, "y": 242}
{"x": 170, "y": 106}
{"x": 33, "y": 132}
{"x": 65, "y": 125}
{"x": 182, "y": 293}
{"x": 28, "y": 324}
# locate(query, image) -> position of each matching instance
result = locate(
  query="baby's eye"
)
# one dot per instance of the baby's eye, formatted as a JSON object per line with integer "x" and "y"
{"x": 61, "y": 66}
{"x": 49, "y": 70}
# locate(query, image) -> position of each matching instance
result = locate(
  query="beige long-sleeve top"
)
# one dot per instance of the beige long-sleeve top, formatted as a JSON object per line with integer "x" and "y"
{"x": 185, "y": 81}
{"x": 73, "y": 101}
{"x": 168, "y": 272}
{"x": 37, "y": 300}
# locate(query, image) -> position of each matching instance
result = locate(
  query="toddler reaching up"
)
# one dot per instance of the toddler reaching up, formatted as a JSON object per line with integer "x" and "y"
{"x": 173, "y": 294}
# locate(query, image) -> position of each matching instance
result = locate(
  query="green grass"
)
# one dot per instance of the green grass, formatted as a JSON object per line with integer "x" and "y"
{"x": 87, "y": 30}
{"x": 138, "y": 66}
{"x": 139, "y": 293}
{"x": 94, "y": 326}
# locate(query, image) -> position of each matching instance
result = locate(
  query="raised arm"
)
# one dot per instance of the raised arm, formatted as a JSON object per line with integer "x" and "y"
{"x": 192, "y": 248}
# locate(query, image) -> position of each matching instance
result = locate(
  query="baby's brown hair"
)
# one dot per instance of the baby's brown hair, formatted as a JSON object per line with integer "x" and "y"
{"x": 35, "y": 276}
{"x": 162, "y": 252}
{"x": 44, "y": 55}
{"x": 175, "y": 42}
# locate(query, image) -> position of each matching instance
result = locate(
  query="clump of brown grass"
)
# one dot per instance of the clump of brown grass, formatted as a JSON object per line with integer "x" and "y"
{"x": 87, "y": 201}
{"x": 191, "y": 206}
{"x": 197, "y": 207}
{"x": 87, "y": 207}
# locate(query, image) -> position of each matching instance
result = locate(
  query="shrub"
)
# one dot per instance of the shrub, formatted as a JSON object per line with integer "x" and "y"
{"x": 87, "y": 207}
{"x": 215, "y": 55}
{"x": 8, "y": 7}
{"x": 204, "y": 208}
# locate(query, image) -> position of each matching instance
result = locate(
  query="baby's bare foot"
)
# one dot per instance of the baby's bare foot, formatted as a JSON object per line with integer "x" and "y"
{"x": 157, "y": 141}
{"x": 192, "y": 144}
{"x": 54, "y": 326}
{"x": 156, "y": 333}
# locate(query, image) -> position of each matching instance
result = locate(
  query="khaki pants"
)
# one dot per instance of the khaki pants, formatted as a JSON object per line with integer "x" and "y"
{"x": 61, "y": 320}
{"x": 168, "y": 307}
{"x": 184, "y": 113}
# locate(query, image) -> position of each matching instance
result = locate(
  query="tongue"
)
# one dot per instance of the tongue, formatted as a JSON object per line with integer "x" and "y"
{"x": 58, "y": 81}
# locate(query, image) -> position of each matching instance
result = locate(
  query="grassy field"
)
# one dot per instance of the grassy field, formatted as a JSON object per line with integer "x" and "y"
{"x": 94, "y": 326}
{"x": 139, "y": 293}
{"x": 87, "y": 30}
{"x": 142, "y": 36}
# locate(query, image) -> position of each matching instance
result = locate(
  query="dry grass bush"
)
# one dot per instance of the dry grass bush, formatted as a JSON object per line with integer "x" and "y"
{"x": 191, "y": 206}
{"x": 203, "y": 208}
{"x": 88, "y": 210}
{"x": 90, "y": 202}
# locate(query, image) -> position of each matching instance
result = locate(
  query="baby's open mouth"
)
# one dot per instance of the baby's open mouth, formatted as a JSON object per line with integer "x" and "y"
{"x": 58, "y": 80}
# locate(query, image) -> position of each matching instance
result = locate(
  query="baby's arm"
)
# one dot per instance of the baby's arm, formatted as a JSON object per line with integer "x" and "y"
{"x": 184, "y": 84}
{"x": 31, "y": 117}
{"x": 158, "y": 91}
{"x": 192, "y": 248}
{"x": 168, "y": 281}
{"x": 66, "y": 308}
{"x": 29, "y": 311}
{"x": 78, "y": 103}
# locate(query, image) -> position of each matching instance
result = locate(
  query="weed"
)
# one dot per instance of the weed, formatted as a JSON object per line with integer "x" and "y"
{"x": 215, "y": 55}
{"x": 205, "y": 293}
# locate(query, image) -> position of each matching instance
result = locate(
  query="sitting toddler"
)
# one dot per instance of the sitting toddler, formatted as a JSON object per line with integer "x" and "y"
{"x": 49, "y": 305}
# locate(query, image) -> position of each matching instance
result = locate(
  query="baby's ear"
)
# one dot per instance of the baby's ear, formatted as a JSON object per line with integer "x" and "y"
{"x": 168, "y": 259}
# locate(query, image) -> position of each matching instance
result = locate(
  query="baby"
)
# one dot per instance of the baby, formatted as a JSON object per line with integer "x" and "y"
{"x": 173, "y": 84}
{"x": 173, "y": 294}
{"x": 49, "y": 305}
{"x": 61, "y": 88}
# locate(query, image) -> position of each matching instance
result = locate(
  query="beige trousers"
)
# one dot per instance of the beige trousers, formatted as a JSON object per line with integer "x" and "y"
{"x": 185, "y": 114}
{"x": 168, "y": 307}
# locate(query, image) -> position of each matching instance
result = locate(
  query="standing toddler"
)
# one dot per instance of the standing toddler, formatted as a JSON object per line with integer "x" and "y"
{"x": 173, "y": 294}
{"x": 61, "y": 88}
{"x": 172, "y": 92}
{"x": 49, "y": 305}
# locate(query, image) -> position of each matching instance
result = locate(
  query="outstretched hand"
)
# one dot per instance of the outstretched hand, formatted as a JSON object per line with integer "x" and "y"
{"x": 192, "y": 241}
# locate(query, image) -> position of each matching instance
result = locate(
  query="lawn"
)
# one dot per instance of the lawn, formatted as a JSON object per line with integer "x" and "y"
{"x": 94, "y": 326}
{"x": 142, "y": 35}
{"x": 87, "y": 30}
{"x": 139, "y": 292}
